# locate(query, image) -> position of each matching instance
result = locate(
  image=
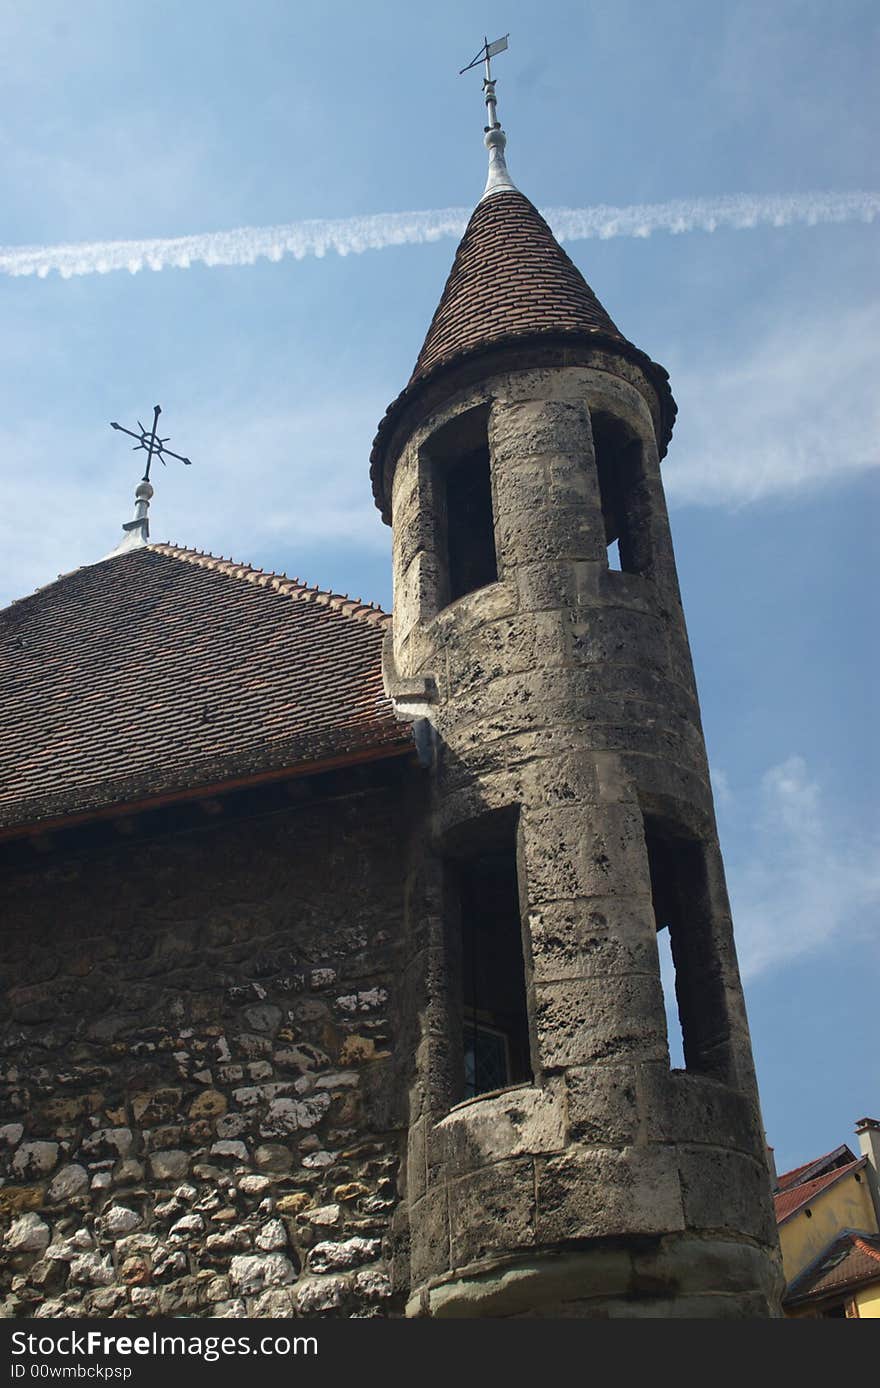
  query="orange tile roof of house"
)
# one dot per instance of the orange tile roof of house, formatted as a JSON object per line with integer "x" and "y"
{"x": 850, "y": 1260}
{"x": 165, "y": 669}
{"x": 789, "y": 1201}
{"x": 838, "y": 1156}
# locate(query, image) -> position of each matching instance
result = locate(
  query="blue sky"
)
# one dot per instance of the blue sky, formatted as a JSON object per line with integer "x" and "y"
{"x": 124, "y": 122}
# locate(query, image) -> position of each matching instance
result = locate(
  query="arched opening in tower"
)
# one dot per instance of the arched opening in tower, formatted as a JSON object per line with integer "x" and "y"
{"x": 460, "y": 496}
{"x": 683, "y": 907}
{"x": 488, "y": 957}
{"x": 622, "y": 494}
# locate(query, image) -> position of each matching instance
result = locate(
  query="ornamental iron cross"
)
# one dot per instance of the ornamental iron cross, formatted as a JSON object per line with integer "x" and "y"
{"x": 149, "y": 441}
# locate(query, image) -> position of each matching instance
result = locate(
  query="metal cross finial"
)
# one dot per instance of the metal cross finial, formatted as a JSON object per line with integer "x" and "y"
{"x": 495, "y": 139}
{"x": 137, "y": 531}
{"x": 151, "y": 443}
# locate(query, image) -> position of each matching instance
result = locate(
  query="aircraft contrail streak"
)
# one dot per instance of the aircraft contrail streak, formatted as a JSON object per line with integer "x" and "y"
{"x": 353, "y": 235}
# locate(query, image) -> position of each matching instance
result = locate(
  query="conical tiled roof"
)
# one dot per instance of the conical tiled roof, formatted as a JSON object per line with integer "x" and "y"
{"x": 510, "y": 278}
{"x": 511, "y": 285}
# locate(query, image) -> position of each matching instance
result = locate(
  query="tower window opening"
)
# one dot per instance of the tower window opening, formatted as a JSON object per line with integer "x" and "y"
{"x": 622, "y": 495}
{"x": 458, "y": 491}
{"x": 688, "y": 964}
{"x": 494, "y": 1012}
{"x": 670, "y": 1003}
{"x": 470, "y": 526}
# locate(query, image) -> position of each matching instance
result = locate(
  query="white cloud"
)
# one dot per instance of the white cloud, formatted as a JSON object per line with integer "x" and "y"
{"x": 805, "y": 880}
{"x": 800, "y": 409}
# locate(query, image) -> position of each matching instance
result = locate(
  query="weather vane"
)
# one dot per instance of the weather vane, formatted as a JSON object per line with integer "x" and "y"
{"x": 495, "y": 140}
{"x": 149, "y": 440}
{"x": 485, "y": 55}
{"x": 137, "y": 531}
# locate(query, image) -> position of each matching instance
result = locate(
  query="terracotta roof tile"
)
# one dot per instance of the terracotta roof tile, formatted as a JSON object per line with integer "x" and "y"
{"x": 509, "y": 276}
{"x": 788, "y": 1202}
{"x": 838, "y": 1156}
{"x": 164, "y": 669}
{"x": 850, "y": 1260}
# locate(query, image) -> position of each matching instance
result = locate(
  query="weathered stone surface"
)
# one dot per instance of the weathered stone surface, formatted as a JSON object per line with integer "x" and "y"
{"x": 249, "y": 1274}
{"x": 276, "y": 1304}
{"x": 27, "y": 1234}
{"x": 351, "y": 1190}
{"x": 524, "y": 1120}
{"x": 68, "y": 1183}
{"x": 119, "y": 1220}
{"x": 272, "y": 1235}
{"x": 169, "y": 1165}
{"x": 158, "y": 1106}
{"x": 595, "y": 1194}
{"x": 187, "y": 1227}
{"x": 209, "y": 1104}
{"x": 272, "y": 1156}
{"x": 228, "y": 1150}
{"x": 611, "y": 1020}
{"x": 254, "y": 1185}
{"x": 492, "y": 1210}
{"x": 34, "y": 1159}
{"x": 289, "y": 1115}
{"x": 372, "y": 1284}
{"x": 726, "y": 1191}
{"x": 293, "y": 1204}
{"x": 15, "y": 1199}
{"x": 603, "y": 1105}
{"x": 325, "y": 1215}
{"x": 108, "y": 1141}
{"x": 314, "y": 1295}
{"x": 233, "y": 1239}
{"x": 330, "y": 1257}
{"x": 90, "y": 1269}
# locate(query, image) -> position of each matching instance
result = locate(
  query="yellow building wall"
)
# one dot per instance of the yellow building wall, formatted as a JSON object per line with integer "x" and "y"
{"x": 868, "y": 1302}
{"x": 846, "y": 1205}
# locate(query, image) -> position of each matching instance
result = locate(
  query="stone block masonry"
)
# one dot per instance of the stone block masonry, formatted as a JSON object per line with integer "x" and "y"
{"x": 198, "y": 1108}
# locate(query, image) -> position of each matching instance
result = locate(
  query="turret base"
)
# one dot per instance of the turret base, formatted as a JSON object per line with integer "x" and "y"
{"x": 671, "y": 1277}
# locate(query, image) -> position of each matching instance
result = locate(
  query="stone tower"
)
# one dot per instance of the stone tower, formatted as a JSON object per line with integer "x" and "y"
{"x": 557, "y": 1164}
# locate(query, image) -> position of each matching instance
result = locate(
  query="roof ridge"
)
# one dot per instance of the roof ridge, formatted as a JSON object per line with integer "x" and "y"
{"x": 808, "y": 1189}
{"x": 787, "y": 1179}
{"x": 290, "y": 587}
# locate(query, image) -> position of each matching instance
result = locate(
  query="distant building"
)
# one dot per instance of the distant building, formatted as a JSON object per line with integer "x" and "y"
{"x": 828, "y": 1214}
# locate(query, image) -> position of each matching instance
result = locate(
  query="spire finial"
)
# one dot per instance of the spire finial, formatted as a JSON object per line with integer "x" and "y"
{"x": 137, "y": 531}
{"x": 495, "y": 139}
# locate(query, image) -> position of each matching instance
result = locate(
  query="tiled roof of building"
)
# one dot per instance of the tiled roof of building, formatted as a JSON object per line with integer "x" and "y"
{"x": 789, "y": 1201}
{"x": 165, "y": 669}
{"x": 838, "y": 1156}
{"x": 510, "y": 277}
{"x": 850, "y": 1260}
{"x": 511, "y": 283}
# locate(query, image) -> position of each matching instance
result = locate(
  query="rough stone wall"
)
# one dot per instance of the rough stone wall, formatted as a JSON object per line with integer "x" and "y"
{"x": 200, "y": 1109}
{"x": 566, "y": 690}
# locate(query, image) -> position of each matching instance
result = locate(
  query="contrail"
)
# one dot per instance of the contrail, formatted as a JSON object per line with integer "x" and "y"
{"x": 352, "y": 235}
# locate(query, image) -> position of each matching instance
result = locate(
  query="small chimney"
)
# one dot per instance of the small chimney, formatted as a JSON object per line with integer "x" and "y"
{"x": 868, "y": 1133}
